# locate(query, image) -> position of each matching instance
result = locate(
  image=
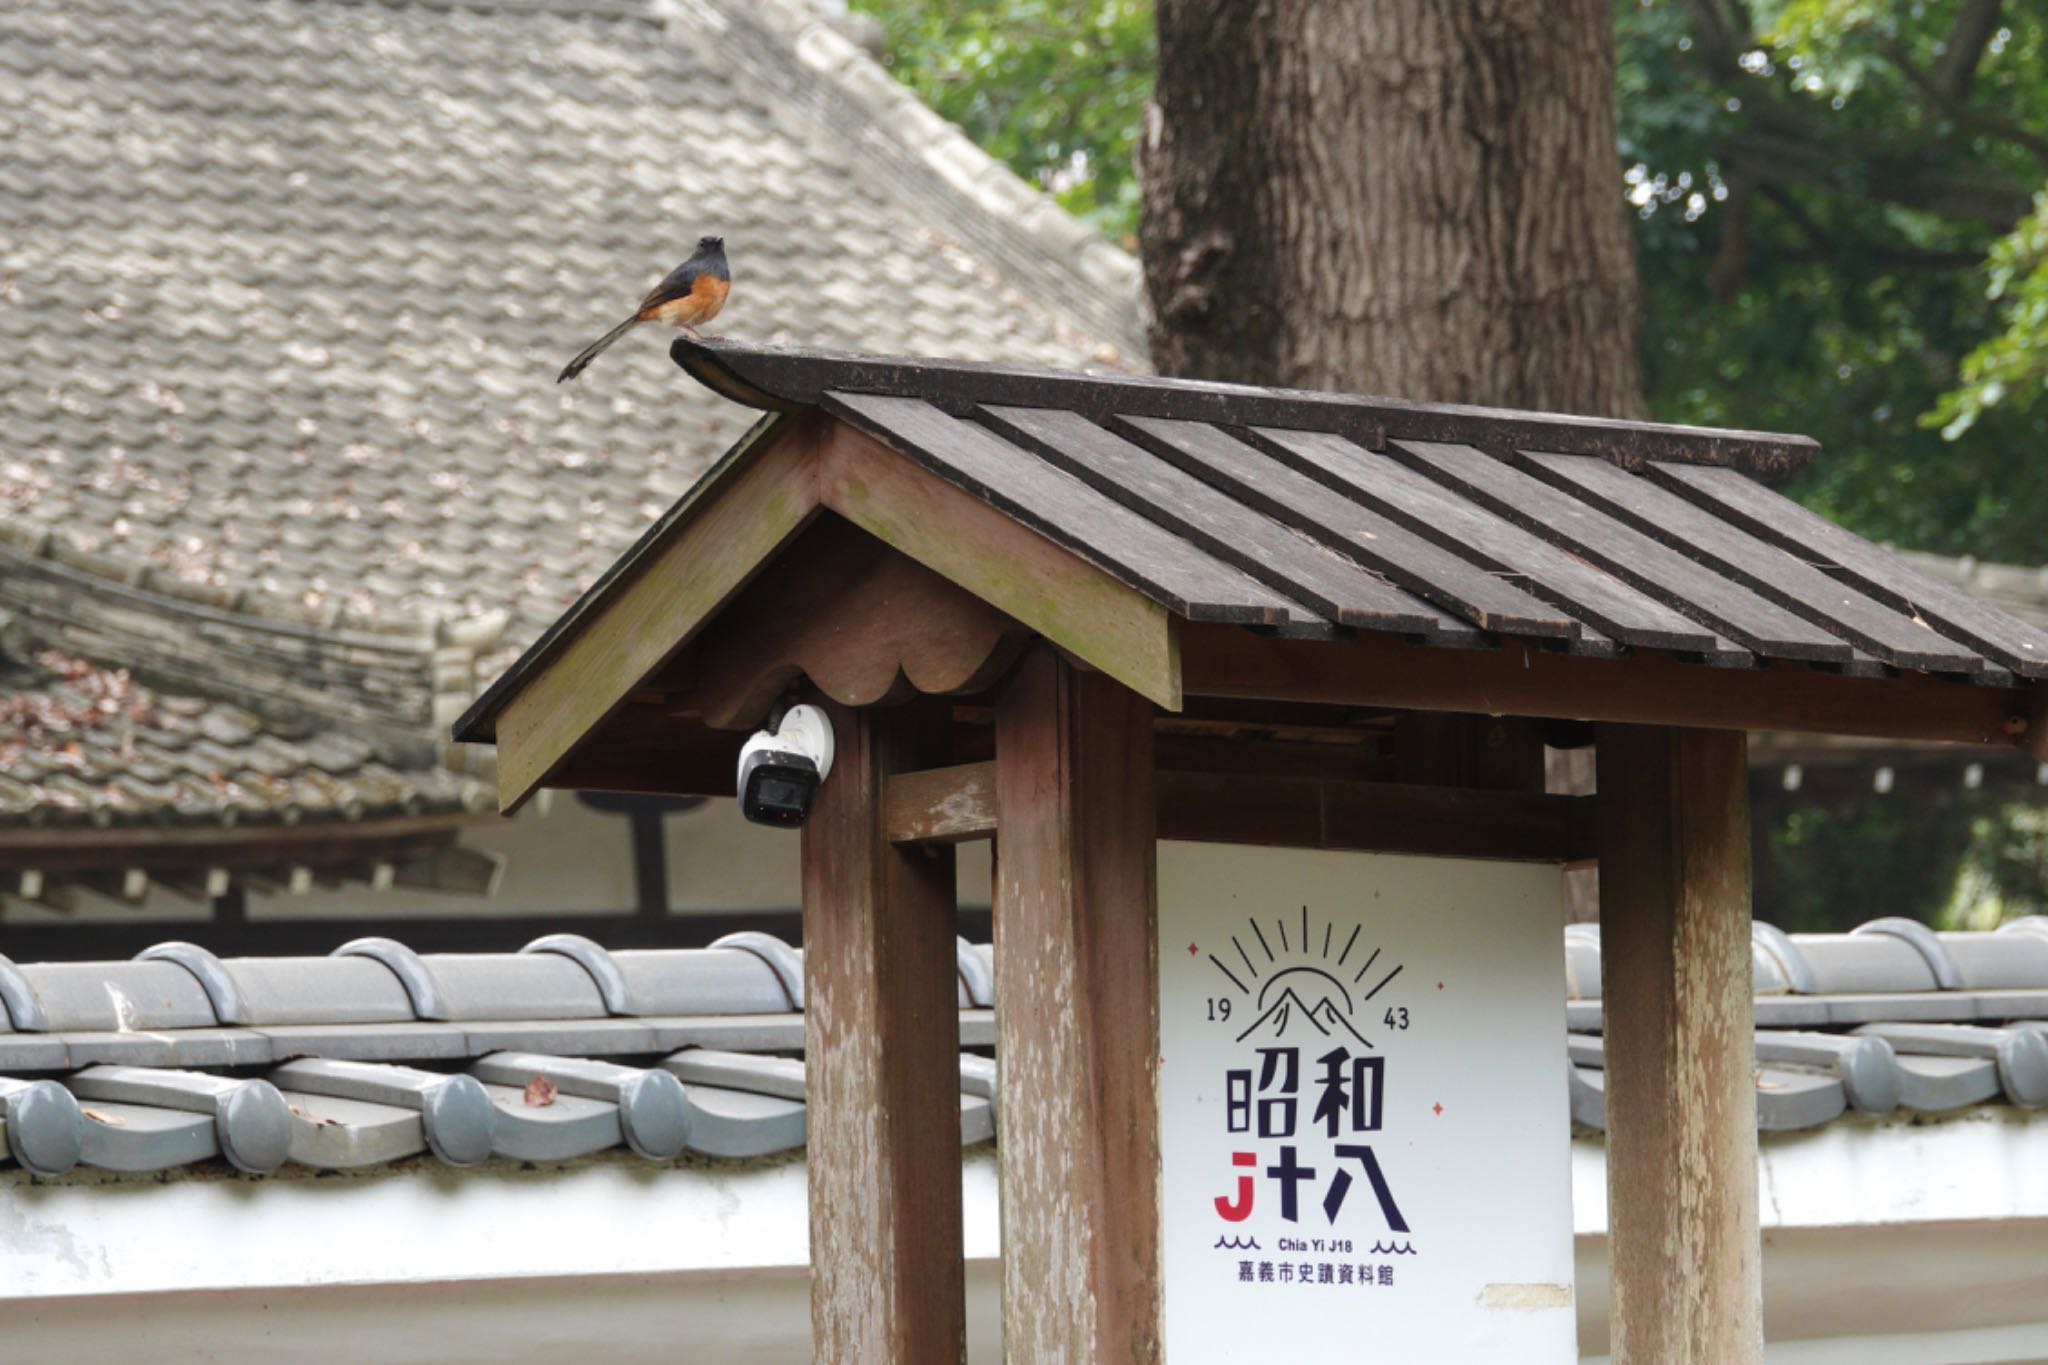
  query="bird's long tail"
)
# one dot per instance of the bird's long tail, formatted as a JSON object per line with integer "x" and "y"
{"x": 594, "y": 350}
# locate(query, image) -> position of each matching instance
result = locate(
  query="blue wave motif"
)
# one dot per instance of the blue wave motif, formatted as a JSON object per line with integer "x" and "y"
{"x": 1233, "y": 1244}
{"x": 1405, "y": 1250}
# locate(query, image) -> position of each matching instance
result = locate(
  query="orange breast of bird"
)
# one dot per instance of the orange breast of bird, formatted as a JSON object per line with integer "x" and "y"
{"x": 700, "y": 305}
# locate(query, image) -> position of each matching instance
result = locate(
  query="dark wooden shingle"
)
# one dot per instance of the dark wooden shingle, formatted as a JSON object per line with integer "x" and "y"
{"x": 1848, "y": 556}
{"x": 1777, "y": 574}
{"x": 1221, "y": 525}
{"x": 1258, "y": 481}
{"x": 1465, "y": 529}
{"x": 1069, "y": 512}
{"x": 1681, "y": 583}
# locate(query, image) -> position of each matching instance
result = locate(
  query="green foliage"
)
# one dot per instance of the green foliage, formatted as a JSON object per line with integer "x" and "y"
{"x": 2012, "y": 367}
{"x": 1825, "y": 869}
{"x": 1813, "y": 225}
{"x": 1815, "y": 206}
{"x": 2003, "y": 872}
{"x": 1056, "y": 90}
{"x": 1931, "y": 849}
{"x": 1838, "y": 234}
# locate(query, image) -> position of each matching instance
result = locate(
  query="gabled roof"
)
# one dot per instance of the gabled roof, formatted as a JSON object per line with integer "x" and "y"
{"x": 284, "y": 285}
{"x": 1599, "y": 535}
{"x": 1314, "y": 516}
{"x": 376, "y": 1053}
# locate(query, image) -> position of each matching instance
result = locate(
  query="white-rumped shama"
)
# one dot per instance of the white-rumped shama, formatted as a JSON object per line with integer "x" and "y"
{"x": 693, "y": 293}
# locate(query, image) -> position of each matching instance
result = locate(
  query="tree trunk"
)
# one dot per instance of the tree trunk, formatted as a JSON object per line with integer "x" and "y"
{"x": 1417, "y": 198}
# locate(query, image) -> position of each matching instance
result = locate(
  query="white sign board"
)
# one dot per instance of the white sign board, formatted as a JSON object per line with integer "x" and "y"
{"x": 1363, "y": 1106}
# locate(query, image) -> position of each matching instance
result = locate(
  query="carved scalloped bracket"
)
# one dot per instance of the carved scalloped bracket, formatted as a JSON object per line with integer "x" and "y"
{"x": 863, "y": 623}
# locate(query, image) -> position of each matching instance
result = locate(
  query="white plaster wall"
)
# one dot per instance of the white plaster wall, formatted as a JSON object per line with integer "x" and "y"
{"x": 1906, "y": 1243}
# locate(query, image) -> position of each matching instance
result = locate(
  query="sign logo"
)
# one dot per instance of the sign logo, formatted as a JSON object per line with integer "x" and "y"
{"x": 1297, "y": 989}
{"x": 1303, "y": 1109}
{"x": 1361, "y": 1121}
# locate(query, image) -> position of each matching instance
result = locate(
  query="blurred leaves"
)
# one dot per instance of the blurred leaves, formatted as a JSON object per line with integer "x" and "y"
{"x": 1828, "y": 868}
{"x": 2004, "y": 869}
{"x": 1841, "y": 230}
{"x": 1817, "y": 184}
{"x": 1818, "y": 187}
{"x": 1056, "y": 90}
{"x": 2012, "y": 367}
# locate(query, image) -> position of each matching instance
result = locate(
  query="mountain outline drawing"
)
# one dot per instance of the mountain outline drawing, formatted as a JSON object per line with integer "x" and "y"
{"x": 1324, "y": 1016}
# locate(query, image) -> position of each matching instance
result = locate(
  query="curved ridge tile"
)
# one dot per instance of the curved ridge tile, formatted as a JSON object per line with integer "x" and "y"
{"x": 457, "y": 1116}
{"x": 1778, "y": 946}
{"x": 783, "y": 960}
{"x": 252, "y": 1123}
{"x": 410, "y": 969}
{"x": 45, "y": 1126}
{"x": 1930, "y": 948}
{"x": 652, "y": 1105}
{"x": 604, "y": 972}
{"x": 739, "y": 1124}
{"x": 563, "y": 1127}
{"x": 18, "y": 998}
{"x": 2022, "y": 1056}
{"x": 211, "y": 975}
{"x": 977, "y": 977}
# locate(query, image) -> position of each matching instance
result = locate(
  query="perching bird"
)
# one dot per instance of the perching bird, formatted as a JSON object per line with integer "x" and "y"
{"x": 693, "y": 293}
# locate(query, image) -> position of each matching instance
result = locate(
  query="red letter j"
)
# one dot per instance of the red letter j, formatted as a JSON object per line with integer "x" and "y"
{"x": 1241, "y": 1209}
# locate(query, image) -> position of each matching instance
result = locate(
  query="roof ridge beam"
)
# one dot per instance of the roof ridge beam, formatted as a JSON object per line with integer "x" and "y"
{"x": 781, "y": 378}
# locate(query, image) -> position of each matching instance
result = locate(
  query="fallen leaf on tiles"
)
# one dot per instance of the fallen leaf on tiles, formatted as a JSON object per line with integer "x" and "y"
{"x": 540, "y": 1092}
{"x": 98, "y": 1116}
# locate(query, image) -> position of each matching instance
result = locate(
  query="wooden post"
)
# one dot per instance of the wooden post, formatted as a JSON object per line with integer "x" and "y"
{"x": 1077, "y": 1016}
{"x": 1682, "y": 1236}
{"x": 882, "y": 1061}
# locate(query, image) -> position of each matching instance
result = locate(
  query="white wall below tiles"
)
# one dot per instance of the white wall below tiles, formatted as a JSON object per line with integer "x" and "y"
{"x": 1884, "y": 1243}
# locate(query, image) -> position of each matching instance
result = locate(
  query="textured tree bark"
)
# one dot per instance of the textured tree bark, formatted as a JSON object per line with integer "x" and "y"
{"x": 1417, "y": 198}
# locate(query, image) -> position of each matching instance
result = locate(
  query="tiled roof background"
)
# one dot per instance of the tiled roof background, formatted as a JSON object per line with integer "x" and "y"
{"x": 284, "y": 284}
{"x": 376, "y": 1053}
{"x": 86, "y": 745}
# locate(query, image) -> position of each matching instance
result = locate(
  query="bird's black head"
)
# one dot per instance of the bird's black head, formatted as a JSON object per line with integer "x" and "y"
{"x": 707, "y": 245}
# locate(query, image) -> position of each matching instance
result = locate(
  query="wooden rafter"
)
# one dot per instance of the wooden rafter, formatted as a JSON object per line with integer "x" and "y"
{"x": 949, "y": 805}
{"x": 1528, "y": 681}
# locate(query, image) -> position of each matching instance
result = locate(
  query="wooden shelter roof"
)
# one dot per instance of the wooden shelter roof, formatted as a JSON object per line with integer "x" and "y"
{"x": 1312, "y": 517}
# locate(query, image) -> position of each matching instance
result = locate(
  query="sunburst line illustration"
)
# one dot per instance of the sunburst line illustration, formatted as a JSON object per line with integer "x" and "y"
{"x": 1226, "y": 971}
{"x": 1298, "y": 989}
{"x": 1262, "y": 940}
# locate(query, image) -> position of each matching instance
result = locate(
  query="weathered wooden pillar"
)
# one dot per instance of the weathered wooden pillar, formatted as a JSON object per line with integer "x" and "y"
{"x": 882, "y": 1062}
{"x": 1077, "y": 1017}
{"x": 1686, "y": 1281}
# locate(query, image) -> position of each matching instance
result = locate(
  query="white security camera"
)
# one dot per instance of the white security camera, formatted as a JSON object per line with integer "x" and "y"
{"x": 782, "y": 767}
